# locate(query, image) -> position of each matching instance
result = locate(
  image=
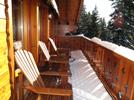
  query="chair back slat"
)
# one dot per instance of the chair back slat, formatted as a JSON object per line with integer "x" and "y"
{"x": 53, "y": 44}
{"x": 44, "y": 49}
{"x": 28, "y": 66}
{"x": 22, "y": 65}
{"x": 35, "y": 68}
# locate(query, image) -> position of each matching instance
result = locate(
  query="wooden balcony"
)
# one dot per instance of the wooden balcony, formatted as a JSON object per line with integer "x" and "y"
{"x": 114, "y": 69}
{"x": 112, "y": 64}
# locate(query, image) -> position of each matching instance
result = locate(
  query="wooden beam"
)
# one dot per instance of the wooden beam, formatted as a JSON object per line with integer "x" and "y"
{"x": 9, "y": 32}
{"x": 33, "y": 34}
{"x": 44, "y": 24}
{"x": 25, "y": 25}
{"x": 79, "y": 11}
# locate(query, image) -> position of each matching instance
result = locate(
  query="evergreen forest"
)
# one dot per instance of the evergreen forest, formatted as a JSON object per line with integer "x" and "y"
{"x": 119, "y": 29}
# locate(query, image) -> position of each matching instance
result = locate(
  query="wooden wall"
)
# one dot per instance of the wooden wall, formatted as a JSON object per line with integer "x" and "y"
{"x": 34, "y": 22}
{"x": 17, "y": 19}
{"x": 62, "y": 29}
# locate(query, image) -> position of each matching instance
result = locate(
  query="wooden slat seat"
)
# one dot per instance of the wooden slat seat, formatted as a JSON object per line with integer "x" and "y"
{"x": 55, "y": 73}
{"x": 29, "y": 68}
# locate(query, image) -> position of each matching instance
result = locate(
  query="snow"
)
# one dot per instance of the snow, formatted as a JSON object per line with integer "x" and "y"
{"x": 123, "y": 51}
{"x": 86, "y": 84}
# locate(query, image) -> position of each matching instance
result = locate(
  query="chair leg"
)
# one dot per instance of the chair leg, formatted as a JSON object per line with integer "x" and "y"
{"x": 21, "y": 84}
{"x": 39, "y": 97}
{"x": 64, "y": 79}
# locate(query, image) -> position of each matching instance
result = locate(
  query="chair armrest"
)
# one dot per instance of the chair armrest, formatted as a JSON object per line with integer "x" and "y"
{"x": 50, "y": 91}
{"x": 57, "y": 60}
{"x": 52, "y": 73}
{"x": 64, "y": 49}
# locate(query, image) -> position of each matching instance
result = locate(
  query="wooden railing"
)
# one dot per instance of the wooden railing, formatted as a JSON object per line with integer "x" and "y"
{"x": 113, "y": 69}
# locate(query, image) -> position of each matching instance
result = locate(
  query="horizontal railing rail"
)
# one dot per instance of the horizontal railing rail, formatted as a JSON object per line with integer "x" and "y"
{"x": 115, "y": 69}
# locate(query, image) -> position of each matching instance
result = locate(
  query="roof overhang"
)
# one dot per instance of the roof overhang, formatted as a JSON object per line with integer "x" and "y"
{"x": 69, "y": 11}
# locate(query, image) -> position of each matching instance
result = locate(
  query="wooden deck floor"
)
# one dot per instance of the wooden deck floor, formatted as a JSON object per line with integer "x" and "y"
{"x": 85, "y": 83}
{"x": 51, "y": 81}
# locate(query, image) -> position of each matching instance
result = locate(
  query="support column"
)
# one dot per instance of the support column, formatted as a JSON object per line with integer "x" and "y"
{"x": 30, "y": 35}
{"x": 44, "y": 24}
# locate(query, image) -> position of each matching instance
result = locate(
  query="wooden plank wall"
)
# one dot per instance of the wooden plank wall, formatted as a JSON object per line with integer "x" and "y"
{"x": 114, "y": 70}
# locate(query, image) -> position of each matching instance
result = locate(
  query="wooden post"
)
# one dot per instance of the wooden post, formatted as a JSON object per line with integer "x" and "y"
{"x": 9, "y": 32}
{"x": 30, "y": 35}
{"x": 44, "y": 24}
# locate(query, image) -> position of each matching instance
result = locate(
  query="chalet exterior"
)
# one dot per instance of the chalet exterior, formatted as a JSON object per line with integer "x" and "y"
{"x": 23, "y": 23}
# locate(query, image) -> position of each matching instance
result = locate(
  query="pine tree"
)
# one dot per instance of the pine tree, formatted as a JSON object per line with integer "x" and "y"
{"x": 103, "y": 34}
{"x": 94, "y": 23}
{"x": 91, "y": 25}
{"x": 83, "y": 22}
{"x": 122, "y": 23}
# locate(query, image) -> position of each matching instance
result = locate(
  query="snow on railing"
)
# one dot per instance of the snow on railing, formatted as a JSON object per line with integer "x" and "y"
{"x": 109, "y": 45}
{"x": 124, "y": 51}
{"x": 96, "y": 40}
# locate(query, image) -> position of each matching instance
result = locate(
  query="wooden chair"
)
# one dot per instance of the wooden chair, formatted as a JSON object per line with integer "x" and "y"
{"x": 52, "y": 58}
{"x": 59, "y": 51}
{"x": 62, "y": 61}
{"x": 26, "y": 62}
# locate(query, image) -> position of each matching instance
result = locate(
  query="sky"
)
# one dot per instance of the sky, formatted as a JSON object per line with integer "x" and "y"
{"x": 104, "y": 7}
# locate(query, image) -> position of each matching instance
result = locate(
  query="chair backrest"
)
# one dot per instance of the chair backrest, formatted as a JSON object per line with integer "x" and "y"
{"x": 44, "y": 49}
{"x": 53, "y": 44}
{"x": 26, "y": 62}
